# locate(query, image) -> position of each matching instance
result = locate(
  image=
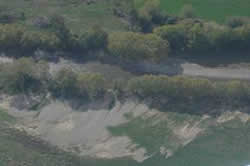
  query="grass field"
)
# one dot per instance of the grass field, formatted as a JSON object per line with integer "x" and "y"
{"x": 217, "y": 10}
{"x": 225, "y": 144}
{"x": 78, "y": 15}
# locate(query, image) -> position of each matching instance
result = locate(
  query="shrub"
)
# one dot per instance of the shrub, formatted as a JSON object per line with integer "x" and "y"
{"x": 15, "y": 37}
{"x": 190, "y": 93}
{"x": 24, "y": 76}
{"x": 59, "y": 27}
{"x": 10, "y": 36}
{"x": 175, "y": 34}
{"x": 131, "y": 46}
{"x": 241, "y": 37}
{"x": 68, "y": 83}
{"x": 187, "y": 12}
{"x": 64, "y": 83}
{"x": 32, "y": 41}
{"x": 190, "y": 37}
{"x": 91, "y": 84}
{"x": 237, "y": 21}
{"x": 196, "y": 36}
{"x": 95, "y": 39}
{"x": 147, "y": 13}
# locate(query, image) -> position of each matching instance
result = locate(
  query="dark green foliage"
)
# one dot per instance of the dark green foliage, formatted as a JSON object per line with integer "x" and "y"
{"x": 62, "y": 32}
{"x": 10, "y": 36}
{"x": 142, "y": 17}
{"x": 149, "y": 15}
{"x": 133, "y": 47}
{"x": 94, "y": 39}
{"x": 32, "y": 41}
{"x": 171, "y": 93}
{"x": 64, "y": 83}
{"x": 186, "y": 36}
{"x": 68, "y": 83}
{"x": 9, "y": 16}
{"x": 197, "y": 36}
{"x": 16, "y": 38}
{"x": 235, "y": 22}
{"x": 187, "y": 11}
{"x": 188, "y": 94}
{"x": 24, "y": 76}
{"x": 94, "y": 85}
{"x": 174, "y": 34}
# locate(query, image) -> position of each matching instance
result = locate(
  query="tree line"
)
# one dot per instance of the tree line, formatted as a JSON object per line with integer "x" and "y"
{"x": 186, "y": 36}
{"x": 189, "y": 94}
{"x": 164, "y": 92}
{"x": 26, "y": 76}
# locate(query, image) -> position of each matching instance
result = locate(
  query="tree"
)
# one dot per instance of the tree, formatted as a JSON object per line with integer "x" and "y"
{"x": 95, "y": 39}
{"x": 237, "y": 21}
{"x": 65, "y": 83}
{"x": 187, "y": 11}
{"x": 59, "y": 27}
{"x": 32, "y": 40}
{"x": 91, "y": 85}
{"x": 175, "y": 34}
{"x": 197, "y": 38}
{"x": 24, "y": 76}
{"x": 131, "y": 46}
{"x": 10, "y": 36}
{"x": 150, "y": 14}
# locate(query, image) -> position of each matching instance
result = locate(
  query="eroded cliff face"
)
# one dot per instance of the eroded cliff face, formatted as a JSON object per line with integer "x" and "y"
{"x": 129, "y": 129}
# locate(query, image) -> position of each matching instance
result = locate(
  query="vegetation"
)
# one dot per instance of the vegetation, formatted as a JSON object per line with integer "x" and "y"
{"x": 125, "y": 31}
{"x": 68, "y": 83}
{"x": 201, "y": 36}
{"x": 177, "y": 93}
{"x": 153, "y": 132}
{"x": 190, "y": 95}
{"x": 216, "y": 10}
{"x": 223, "y": 144}
{"x": 78, "y": 15}
{"x": 185, "y": 33}
{"x": 27, "y": 76}
{"x": 237, "y": 21}
{"x": 16, "y": 38}
{"x": 131, "y": 46}
{"x": 187, "y": 11}
{"x": 24, "y": 76}
{"x": 149, "y": 15}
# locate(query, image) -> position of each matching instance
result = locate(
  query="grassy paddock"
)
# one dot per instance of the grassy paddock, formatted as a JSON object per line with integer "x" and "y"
{"x": 78, "y": 15}
{"x": 217, "y": 10}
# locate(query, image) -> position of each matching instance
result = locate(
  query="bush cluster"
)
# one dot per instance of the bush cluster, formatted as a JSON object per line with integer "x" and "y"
{"x": 193, "y": 36}
{"x": 186, "y": 32}
{"x": 68, "y": 84}
{"x": 27, "y": 76}
{"x": 130, "y": 46}
{"x": 24, "y": 76}
{"x": 188, "y": 93}
{"x": 14, "y": 37}
{"x": 177, "y": 93}
{"x": 187, "y": 35}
